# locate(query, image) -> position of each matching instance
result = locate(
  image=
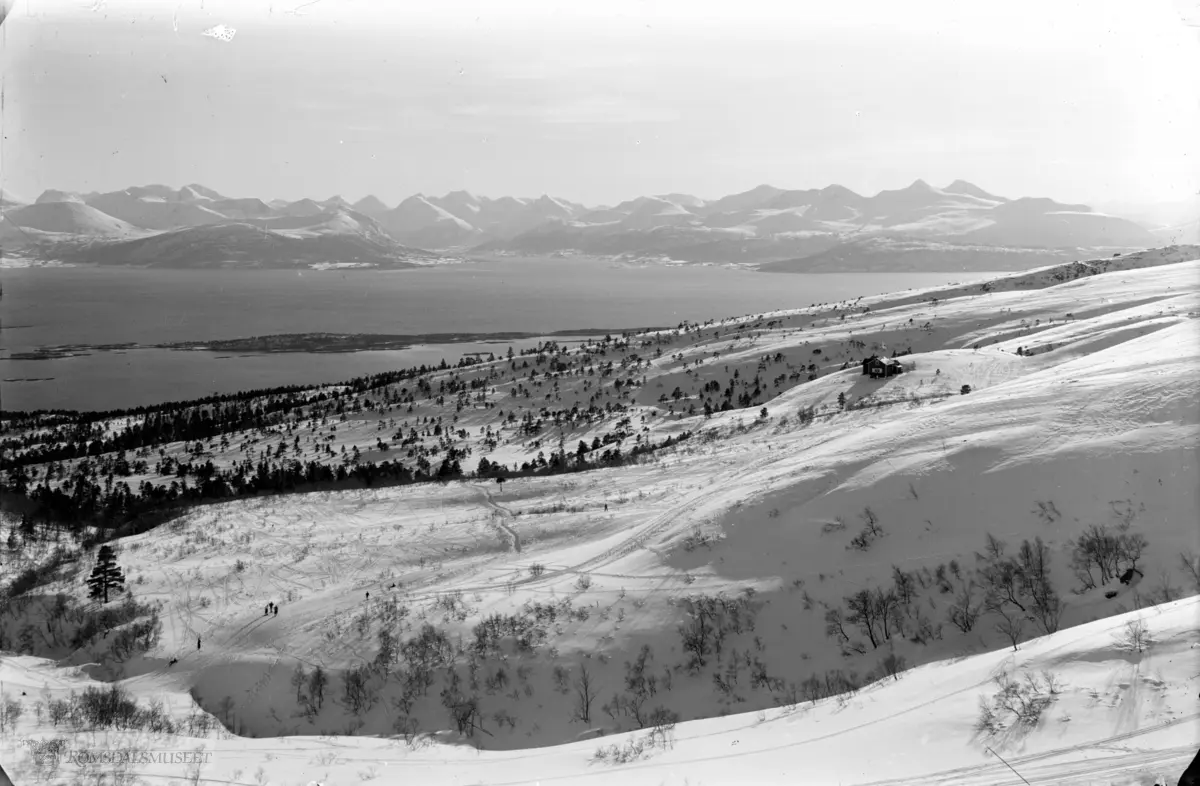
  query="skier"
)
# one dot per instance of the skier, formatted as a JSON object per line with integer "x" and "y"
{"x": 368, "y": 596}
{"x": 276, "y": 611}
{"x": 197, "y": 644}
{"x": 267, "y": 610}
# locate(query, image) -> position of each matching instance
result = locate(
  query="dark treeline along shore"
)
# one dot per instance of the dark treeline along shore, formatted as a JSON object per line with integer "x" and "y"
{"x": 360, "y": 342}
{"x": 317, "y": 342}
{"x": 68, "y": 472}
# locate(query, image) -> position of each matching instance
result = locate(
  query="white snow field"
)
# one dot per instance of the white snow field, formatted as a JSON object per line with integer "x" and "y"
{"x": 1118, "y": 717}
{"x": 707, "y": 589}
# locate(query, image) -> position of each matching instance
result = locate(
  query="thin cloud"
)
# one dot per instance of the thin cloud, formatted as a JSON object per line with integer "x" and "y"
{"x": 588, "y": 110}
{"x": 558, "y": 67}
{"x": 609, "y": 110}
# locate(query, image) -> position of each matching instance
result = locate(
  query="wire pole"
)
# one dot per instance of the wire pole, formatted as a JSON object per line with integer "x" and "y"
{"x": 1006, "y": 764}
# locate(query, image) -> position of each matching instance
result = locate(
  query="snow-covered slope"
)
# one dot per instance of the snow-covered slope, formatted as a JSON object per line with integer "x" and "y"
{"x": 1171, "y": 222}
{"x": 420, "y": 222}
{"x": 241, "y": 208}
{"x": 301, "y": 207}
{"x": 73, "y": 218}
{"x": 290, "y": 241}
{"x": 462, "y": 204}
{"x": 1114, "y": 715}
{"x": 141, "y": 207}
{"x": 1041, "y": 223}
{"x": 652, "y": 212}
{"x": 370, "y": 205}
{"x": 1031, "y": 408}
{"x": 9, "y": 200}
{"x": 202, "y": 192}
{"x": 54, "y": 195}
{"x": 335, "y": 202}
{"x": 970, "y": 189}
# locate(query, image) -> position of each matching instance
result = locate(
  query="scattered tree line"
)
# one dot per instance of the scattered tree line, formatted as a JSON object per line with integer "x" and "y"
{"x": 123, "y": 511}
{"x": 65, "y": 626}
{"x": 111, "y": 708}
{"x": 1017, "y": 589}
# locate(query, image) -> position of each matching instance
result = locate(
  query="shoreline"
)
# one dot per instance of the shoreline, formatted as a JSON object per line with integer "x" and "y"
{"x": 320, "y": 343}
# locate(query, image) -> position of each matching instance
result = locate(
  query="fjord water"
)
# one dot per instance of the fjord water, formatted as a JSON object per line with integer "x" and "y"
{"x": 57, "y": 306}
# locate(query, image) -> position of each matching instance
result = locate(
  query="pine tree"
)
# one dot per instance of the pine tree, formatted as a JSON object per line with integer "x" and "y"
{"x": 106, "y": 575}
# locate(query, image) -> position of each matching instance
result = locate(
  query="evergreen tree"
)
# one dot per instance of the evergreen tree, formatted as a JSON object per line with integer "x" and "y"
{"x": 106, "y": 575}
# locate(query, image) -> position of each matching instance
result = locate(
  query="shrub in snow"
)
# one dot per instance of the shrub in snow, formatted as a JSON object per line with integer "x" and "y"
{"x": 358, "y": 689}
{"x": 1110, "y": 553}
{"x": 890, "y": 666}
{"x": 870, "y": 532}
{"x": 10, "y": 713}
{"x": 661, "y": 737}
{"x": 1019, "y": 702}
{"x": 1134, "y": 637}
{"x": 1190, "y": 565}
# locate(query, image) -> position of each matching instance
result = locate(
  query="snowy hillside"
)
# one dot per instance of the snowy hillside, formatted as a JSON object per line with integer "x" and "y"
{"x": 723, "y": 549}
{"x": 149, "y": 211}
{"x": 73, "y": 218}
{"x": 9, "y": 200}
{"x": 419, "y": 221}
{"x": 323, "y": 239}
{"x": 1113, "y": 703}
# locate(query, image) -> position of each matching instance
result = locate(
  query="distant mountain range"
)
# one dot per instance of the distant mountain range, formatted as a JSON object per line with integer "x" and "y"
{"x": 195, "y": 227}
{"x": 1175, "y": 222}
{"x": 958, "y": 227}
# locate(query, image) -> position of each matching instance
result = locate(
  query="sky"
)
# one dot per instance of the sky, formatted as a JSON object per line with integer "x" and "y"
{"x": 1083, "y": 101}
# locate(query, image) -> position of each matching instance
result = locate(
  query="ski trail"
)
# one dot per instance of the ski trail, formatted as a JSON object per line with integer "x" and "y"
{"x": 513, "y": 537}
{"x": 957, "y": 775}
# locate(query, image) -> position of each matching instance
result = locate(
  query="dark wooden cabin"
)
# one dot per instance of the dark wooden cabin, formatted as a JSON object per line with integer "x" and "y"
{"x": 877, "y": 367}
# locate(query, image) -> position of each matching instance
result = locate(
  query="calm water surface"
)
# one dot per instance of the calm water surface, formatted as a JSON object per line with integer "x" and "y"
{"x": 43, "y": 307}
